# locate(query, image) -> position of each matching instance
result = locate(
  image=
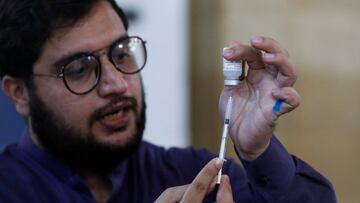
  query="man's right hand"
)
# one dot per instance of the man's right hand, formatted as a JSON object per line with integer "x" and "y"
{"x": 203, "y": 184}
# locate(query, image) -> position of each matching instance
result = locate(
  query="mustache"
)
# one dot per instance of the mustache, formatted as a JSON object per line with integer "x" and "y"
{"x": 130, "y": 102}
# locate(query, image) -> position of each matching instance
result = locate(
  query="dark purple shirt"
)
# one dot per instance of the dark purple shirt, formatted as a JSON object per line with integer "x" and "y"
{"x": 28, "y": 174}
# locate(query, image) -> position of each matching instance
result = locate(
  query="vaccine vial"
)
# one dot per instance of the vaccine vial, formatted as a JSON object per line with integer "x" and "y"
{"x": 232, "y": 71}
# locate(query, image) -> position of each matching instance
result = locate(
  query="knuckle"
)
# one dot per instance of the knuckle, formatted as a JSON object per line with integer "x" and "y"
{"x": 293, "y": 78}
{"x": 289, "y": 93}
{"x": 239, "y": 50}
{"x": 281, "y": 58}
{"x": 290, "y": 81}
{"x": 299, "y": 100}
{"x": 284, "y": 59}
{"x": 270, "y": 39}
{"x": 199, "y": 187}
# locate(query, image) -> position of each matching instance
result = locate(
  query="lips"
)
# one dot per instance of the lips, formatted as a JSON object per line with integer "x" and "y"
{"x": 116, "y": 116}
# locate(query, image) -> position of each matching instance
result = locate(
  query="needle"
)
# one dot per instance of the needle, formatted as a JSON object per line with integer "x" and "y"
{"x": 224, "y": 135}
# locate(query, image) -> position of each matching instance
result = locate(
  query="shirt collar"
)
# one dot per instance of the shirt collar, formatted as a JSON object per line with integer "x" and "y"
{"x": 46, "y": 160}
{"x": 60, "y": 169}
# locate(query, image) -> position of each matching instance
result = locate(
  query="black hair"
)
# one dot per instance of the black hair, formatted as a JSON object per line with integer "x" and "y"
{"x": 26, "y": 25}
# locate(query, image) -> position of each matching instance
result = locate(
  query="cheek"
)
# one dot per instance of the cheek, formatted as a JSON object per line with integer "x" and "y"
{"x": 135, "y": 88}
{"x": 67, "y": 107}
{"x": 75, "y": 115}
{"x": 72, "y": 113}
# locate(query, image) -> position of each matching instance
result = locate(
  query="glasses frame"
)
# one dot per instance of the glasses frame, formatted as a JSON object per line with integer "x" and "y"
{"x": 61, "y": 74}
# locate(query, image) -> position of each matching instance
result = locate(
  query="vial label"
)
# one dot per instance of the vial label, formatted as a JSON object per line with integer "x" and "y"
{"x": 232, "y": 71}
{"x": 231, "y": 65}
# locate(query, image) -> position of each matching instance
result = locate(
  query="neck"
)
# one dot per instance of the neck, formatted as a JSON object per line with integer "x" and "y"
{"x": 99, "y": 185}
{"x": 33, "y": 137}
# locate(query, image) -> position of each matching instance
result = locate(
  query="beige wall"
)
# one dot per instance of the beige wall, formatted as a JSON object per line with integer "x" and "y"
{"x": 323, "y": 38}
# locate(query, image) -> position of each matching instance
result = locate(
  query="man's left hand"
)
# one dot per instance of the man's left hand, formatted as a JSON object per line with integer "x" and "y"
{"x": 270, "y": 79}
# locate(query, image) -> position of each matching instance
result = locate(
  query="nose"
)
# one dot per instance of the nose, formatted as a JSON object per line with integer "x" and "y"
{"x": 111, "y": 81}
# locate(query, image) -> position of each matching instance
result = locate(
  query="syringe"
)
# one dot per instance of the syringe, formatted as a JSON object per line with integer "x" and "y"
{"x": 225, "y": 134}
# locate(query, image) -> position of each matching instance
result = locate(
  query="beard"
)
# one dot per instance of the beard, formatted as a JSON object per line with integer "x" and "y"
{"x": 81, "y": 150}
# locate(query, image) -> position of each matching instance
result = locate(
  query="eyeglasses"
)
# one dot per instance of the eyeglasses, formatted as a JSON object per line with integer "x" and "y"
{"x": 81, "y": 73}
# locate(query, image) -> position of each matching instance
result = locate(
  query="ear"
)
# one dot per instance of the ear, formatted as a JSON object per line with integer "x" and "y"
{"x": 17, "y": 91}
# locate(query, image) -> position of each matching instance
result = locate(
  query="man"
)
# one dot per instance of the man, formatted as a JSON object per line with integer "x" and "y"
{"x": 72, "y": 72}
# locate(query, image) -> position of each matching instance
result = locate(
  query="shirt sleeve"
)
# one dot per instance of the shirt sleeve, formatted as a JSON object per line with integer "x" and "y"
{"x": 276, "y": 176}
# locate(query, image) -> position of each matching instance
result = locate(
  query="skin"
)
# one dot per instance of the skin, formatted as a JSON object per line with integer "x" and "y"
{"x": 270, "y": 77}
{"x": 95, "y": 33}
{"x": 203, "y": 184}
{"x": 88, "y": 36}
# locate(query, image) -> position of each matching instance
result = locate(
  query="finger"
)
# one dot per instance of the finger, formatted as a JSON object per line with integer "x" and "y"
{"x": 287, "y": 100}
{"x": 238, "y": 51}
{"x": 212, "y": 185}
{"x": 173, "y": 194}
{"x": 275, "y": 55}
{"x": 266, "y": 44}
{"x": 202, "y": 182}
{"x": 256, "y": 60}
{"x": 283, "y": 64}
{"x": 224, "y": 194}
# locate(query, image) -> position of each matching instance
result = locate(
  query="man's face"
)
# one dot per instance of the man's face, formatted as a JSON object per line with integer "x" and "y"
{"x": 108, "y": 119}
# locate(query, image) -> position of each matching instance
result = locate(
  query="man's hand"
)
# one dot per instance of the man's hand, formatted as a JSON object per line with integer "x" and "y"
{"x": 270, "y": 79}
{"x": 202, "y": 185}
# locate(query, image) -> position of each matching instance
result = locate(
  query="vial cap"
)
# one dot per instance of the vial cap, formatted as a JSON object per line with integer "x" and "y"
{"x": 231, "y": 82}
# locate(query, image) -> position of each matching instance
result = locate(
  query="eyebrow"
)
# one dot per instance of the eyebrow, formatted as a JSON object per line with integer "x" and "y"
{"x": 66, "y": 58}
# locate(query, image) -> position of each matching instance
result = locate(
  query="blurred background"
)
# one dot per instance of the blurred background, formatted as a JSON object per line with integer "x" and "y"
{"x": 183, "y": 77}
{"x": 323, "y": 39}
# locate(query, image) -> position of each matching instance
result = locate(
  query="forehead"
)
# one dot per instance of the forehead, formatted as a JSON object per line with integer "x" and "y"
{"x": 97, "y": 30}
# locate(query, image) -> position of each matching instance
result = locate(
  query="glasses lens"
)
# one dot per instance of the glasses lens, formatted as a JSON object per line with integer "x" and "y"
{"x": 81, "y": 75}
{"x": 129, "y": 56}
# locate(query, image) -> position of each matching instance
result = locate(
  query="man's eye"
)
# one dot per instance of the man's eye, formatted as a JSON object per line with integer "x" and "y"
{"x": 80, "y": 68}
{"x": 76, "y": 72}
{"x": 120, "y": 58}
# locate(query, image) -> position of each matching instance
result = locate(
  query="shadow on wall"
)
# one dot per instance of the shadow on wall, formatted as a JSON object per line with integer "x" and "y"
{"x": 11, "y": 123}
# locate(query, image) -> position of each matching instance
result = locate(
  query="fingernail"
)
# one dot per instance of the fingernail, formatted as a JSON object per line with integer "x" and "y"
{"x": 219, "y": 163}
{"x": 277, "y": 106}
{"x": 257, "y": 40}
{"x": 269, "y": 56}
{"x": 228, "y": 52}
